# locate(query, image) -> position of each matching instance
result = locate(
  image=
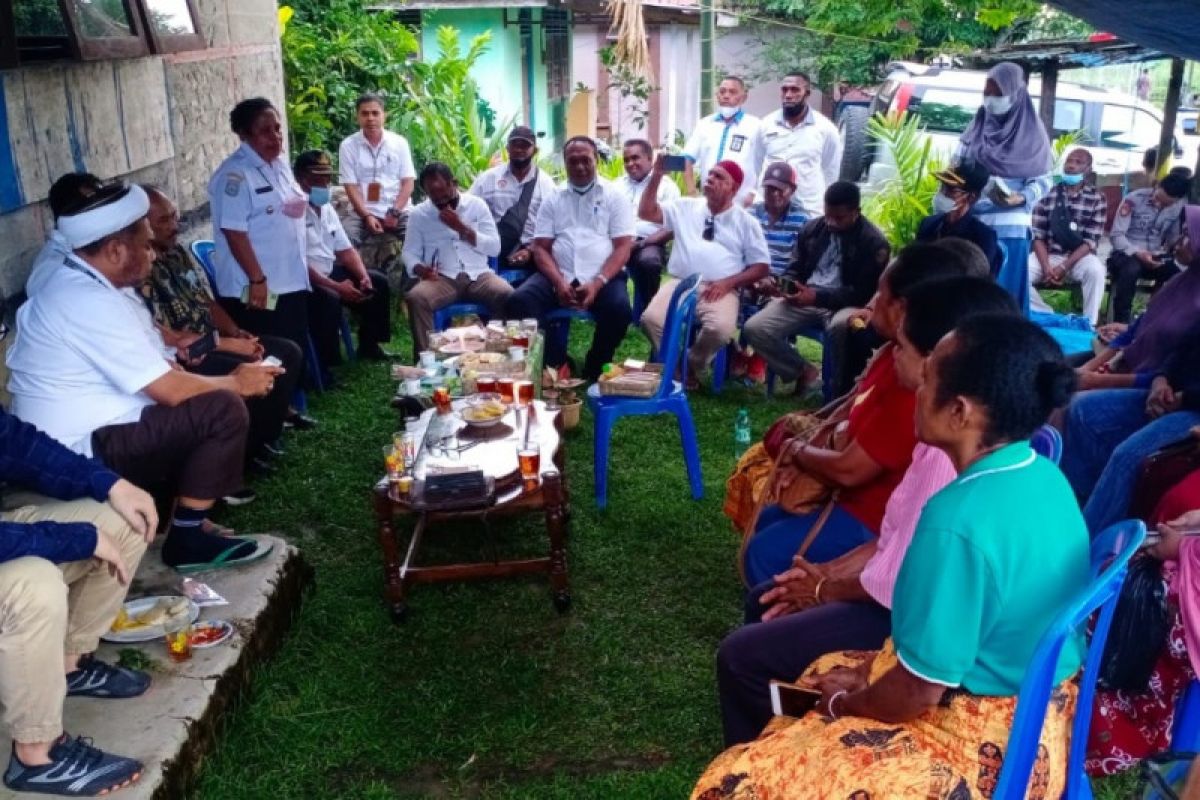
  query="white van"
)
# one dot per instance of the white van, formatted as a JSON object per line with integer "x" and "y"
{"x": 1118, "y": 128}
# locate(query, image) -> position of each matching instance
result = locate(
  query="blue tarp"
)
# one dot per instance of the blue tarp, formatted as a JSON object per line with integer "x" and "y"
{"x": 1172, "y": 26}
{"x": 1073, "y": 333}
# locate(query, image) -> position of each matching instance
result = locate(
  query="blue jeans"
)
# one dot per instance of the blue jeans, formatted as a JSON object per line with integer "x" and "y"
{"x": 778, "y": 536}
{"x": 1107, "y": 437}
{"x": 1014, "y": 272}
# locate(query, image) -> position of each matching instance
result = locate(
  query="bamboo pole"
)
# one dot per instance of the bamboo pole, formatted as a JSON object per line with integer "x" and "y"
{"x": 707, "y": 84}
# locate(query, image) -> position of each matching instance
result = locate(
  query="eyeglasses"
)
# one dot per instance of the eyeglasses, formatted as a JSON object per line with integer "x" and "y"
{"x": 710, "y": 225}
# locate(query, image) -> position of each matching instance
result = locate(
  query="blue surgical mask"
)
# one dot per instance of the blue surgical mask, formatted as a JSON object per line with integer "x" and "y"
{"x": 943, "y": 203}
{"x": 1070, "y": 180}
{"x": 319, "y": 195}
{"x": 998, "y": 106}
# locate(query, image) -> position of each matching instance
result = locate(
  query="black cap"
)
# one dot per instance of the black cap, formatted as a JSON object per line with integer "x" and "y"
{"x": 969, "y": 176}
{"x": 313, "y": 162}
{"x": 523, "y": 133}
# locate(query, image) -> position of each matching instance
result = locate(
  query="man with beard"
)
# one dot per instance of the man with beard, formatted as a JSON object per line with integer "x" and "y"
{"x": 646, "y": 263}
{"x": 581, "y": 244}
{"x": 805, "y": 139}
{"x": 514, "y": 192}
{"x": 86, "y": 371}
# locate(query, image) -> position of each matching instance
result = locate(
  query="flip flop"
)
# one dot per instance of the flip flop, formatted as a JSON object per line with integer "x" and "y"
{"x": 225, "y": 559}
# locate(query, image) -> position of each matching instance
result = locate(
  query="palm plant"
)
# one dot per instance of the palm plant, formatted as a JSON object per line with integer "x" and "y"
{"x": 907, "y": 197}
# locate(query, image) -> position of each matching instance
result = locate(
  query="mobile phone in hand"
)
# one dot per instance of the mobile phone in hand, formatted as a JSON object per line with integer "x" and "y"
{"x": 787, "y": 286}
{"x": 202, "y": 346}
{"x": 789, "y": 700}
{"x": 674, "y": 163}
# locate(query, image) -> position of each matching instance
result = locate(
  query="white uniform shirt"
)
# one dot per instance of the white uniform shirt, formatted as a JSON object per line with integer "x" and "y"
{"x": 49, "y": 260}
{"x": 501, "y": 190}
{"x": 813, "y": 149}
{"x": 326, "y": 237}
{"x": 739, "y": 140}
{"x": 737, "y": 243}
{"x": 388, "y": 164}
{"x": 72, "y": 373}
{"x": 247, "y": 194}
{"x": 583, "y": 227}
{"x": 667, "y": 191}
{"x": 429, "y": 239}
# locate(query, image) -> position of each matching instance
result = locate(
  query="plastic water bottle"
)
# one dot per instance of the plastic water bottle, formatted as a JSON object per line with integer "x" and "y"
{"x": 741, "y": 433}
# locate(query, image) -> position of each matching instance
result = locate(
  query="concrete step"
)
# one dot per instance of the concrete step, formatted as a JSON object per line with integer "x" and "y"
{"x": 174, "y": 725}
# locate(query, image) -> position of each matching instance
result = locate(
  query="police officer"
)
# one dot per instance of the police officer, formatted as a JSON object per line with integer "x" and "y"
{"x": 1146, "y": 226}
{"x": 258, "y": 225}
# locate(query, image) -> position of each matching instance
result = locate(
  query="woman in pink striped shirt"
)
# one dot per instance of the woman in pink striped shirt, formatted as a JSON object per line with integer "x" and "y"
{"x": 845, "y": 604}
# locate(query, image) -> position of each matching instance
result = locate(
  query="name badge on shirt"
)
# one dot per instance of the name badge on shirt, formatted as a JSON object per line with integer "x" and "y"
{"x": 735, "y": 144}
{"x": 374, "y": 191}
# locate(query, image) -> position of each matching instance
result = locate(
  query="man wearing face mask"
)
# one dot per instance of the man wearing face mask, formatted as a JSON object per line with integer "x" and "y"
{"x": 729, "y": 135}
{"x": 1143, "y": 232}
{"x": 337, "y": 272}
{"x": 805, "y": 139}
{"x": 450, "y": 237}
{"x": 1067, "y": 226}
{"x": 514, "y": 192}
{"x": 960, "y": 189}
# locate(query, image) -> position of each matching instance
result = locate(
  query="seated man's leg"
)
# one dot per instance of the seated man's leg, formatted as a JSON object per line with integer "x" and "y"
{"x": 373, "y": 314}
{"x": 490, "y": 290}
{"x": 425, "y": 297}
{"x": 645, "y": 268}
{"x": 770, "y": 333}
{"x": 716, "y": 324}
{"x": 1124, "y": 270}
{"x": 199, "y": 445}
{"x": 1089, "y": 273}
{"x": 782, "y": 649}
{"x": 837, "y": 332}
{"x": 654, "y": 315}
{"x": 324, "y": 325}
{"x": 613, "y": 315}
{"x": 534, "y": 299}
{"x": 1036, "y": 276}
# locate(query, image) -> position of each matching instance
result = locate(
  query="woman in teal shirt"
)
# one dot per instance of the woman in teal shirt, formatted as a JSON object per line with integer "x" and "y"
{"x": 930, "y": 713}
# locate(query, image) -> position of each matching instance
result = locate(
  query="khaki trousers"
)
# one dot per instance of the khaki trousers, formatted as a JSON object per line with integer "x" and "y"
{"x": 427, "y": 296}
{"x": 715, "y": 324}
{"x": 48, "y": 610}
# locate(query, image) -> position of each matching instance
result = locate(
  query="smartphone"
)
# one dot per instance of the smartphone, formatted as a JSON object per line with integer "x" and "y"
{"x": 272, "y": 298}
{"x": 202, "y": 346}
{"x": 787, "y": 286}
{"x": 789, "y": 700}
{"x": 674, "y": 163}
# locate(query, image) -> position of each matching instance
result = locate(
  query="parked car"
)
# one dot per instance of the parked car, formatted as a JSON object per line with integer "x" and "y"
{"x": 1117, "y": 128}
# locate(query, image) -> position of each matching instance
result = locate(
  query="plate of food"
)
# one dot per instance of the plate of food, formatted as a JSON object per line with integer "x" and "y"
{"x": 142, "y": 620}
{"x": 483, "y": 410}
{"x": 210, "y": 633}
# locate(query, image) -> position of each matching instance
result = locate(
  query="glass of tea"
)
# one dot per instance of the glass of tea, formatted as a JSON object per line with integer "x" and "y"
{"x": 393, "y": 459}
{"x": 530, "y": 459}
{"x": 524, "y": 392}
{"x": 178, "y": 633}
{"x": 486, "y": 383}
{"x": 505, "y": 387}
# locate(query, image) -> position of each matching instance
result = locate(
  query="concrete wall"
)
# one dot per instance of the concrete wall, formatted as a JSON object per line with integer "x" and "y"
{"x": 161, "y": 118}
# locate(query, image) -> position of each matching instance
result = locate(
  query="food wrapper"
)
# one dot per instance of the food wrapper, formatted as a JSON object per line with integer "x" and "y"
{"x": 201, "y": 593}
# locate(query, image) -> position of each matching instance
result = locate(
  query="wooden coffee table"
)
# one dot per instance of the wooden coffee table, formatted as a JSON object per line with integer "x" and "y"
{"x": 494, "y": 451}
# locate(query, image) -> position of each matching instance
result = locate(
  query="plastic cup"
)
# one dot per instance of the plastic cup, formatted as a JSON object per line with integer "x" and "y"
{"x": 393, "y": 460}
{"x": 178, "y": 634}
{"x": 505, "y": 386}
{"x": 523, "y": 391}
{"x": 428, "y": 359}
{"x": 412, "y": 386}
{"x": 530, "y": 459}
{"x": 516, "y": 353}
{"x": 486, "y": 384}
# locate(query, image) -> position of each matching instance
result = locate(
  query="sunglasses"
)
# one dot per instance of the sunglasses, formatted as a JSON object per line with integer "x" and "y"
{"x": 709, "y": 228}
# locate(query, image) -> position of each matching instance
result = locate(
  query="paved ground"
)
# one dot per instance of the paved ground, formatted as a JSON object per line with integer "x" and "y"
{"x": 172, "y": 726}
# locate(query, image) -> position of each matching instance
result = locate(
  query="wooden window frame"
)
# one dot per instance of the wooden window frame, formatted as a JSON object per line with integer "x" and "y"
{"x": 89, "y": 48}
{"x": 173, "y": 42}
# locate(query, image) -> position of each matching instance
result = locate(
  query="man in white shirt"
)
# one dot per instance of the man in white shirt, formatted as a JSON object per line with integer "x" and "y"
{"x": 582, "y": 242}
{"x": 378, "y": 175}
{"x": 337, "y": 273}
{"x": 805, "y": 139}
{"x": 716, "y": 239}
{"x": 63, "y": 193}
{"x": 96, "y": 380}
{"x": 730, "y": 134}
{"x": 514, "y": 192}
{"x": 450, "y": 237}
{"x": 646, "y": 262}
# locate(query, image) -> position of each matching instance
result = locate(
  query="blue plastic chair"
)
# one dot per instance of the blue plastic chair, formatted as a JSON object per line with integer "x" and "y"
{"x": 514, "y": 277}
{"x": 671, "y": 397}
{"x": 1047, "y": 442}
{"x": 1111, "y": 551}
{"x": 446, "y": 314}
{"x": 203, "y": 249}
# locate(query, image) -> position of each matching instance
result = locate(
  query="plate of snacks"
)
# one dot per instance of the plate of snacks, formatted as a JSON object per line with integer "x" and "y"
{"x": 483, "y": 410}
{"x": 210, "y": 633}
{"x": 142, "y": 620}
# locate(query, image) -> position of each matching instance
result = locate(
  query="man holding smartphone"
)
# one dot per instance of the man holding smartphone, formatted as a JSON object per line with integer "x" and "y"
{"x": 1143, "y": 234}
{"x": 646, "y": 262}
{"x": 337, "y": 273}
{"x": 582, "y": 241}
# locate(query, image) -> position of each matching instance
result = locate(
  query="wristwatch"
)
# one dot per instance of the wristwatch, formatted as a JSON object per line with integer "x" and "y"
{"x": 603, "y": 280}
{"x": 393, "y": 212}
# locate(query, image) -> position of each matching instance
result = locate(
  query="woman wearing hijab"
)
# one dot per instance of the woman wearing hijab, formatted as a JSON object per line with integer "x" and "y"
{"x": 1007, "y": 138}
{"x": 1109, "y": 432}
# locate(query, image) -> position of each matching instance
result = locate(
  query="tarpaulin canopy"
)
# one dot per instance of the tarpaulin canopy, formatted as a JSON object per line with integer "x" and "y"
{"x": 1172, "y": 26}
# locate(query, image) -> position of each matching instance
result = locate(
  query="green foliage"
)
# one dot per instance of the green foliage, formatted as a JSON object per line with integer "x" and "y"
{"x": 631, "y": 85}
{"x": 1064, "y": 143}
{"x": 906, "y": 198}
{"x": 335, "y": 50}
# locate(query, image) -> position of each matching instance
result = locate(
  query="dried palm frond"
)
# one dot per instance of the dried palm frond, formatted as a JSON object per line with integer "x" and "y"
{"x": 631, "y": 49}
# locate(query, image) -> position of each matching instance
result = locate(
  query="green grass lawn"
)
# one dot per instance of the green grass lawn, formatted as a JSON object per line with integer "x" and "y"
{"x": 486, "y": 691}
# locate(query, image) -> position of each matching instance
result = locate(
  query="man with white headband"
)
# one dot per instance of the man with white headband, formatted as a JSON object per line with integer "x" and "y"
{"x": 85, "y": 370}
